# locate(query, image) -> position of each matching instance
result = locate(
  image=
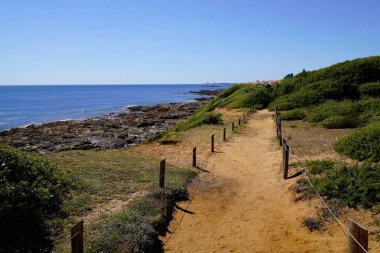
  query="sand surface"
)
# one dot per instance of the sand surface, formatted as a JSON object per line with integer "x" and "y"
{"x": 244, "y": 205}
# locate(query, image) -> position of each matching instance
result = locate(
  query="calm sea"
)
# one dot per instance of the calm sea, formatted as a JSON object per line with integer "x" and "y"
{"x": 24, "y": 105}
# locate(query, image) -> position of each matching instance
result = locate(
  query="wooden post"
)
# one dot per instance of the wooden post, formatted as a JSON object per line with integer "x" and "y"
{"x": 277, "y": 133}
{"x": 361, "y": 235}
{"x": 77, "y": 238}
{"x": 280, "y": 140}
{"x": 279, "y": 125}
{"x": 239, "y": 121}
{"x": 212, "y": 143}
{"x": 224, "y": 134}
{"x": 195, "y": 157}
{"x": 233, "y": 126}
{"x": 285, "y": 157}
{"x": 162, "y": 174}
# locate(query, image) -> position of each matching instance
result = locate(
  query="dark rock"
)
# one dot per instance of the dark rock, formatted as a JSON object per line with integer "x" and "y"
{"x": 207, "y": 92}
{"x": 116, "y": 130}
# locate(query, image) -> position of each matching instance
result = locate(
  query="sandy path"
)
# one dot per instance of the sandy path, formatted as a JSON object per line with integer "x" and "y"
{"x": 243, "y": 204}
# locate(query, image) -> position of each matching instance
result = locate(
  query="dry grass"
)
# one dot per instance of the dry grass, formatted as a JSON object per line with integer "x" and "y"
{"x": 107, "y": 181}
{"x": 311, "y": 141}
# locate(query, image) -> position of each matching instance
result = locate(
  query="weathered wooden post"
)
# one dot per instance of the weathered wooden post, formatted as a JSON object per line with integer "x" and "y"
{"x": 279, "y": 125}
{"x": 233, "y": 126}
{"x": 285, "y": 157}
{"x": 239, "y": 121}
{"x": 195, "y": 157}
{"x": 212, "y": 143}
{"x": 277, "y": 133}
{"x": 162, "y": 174}
{"x": 280, "y": 140}
{"x": 224, "y": 134}
{"x": 361, "y": 235}
{"x": 77, "y": 238}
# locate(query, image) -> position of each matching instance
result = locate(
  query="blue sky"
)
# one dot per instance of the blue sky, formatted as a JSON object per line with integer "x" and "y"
{"x": 179, "y": 41}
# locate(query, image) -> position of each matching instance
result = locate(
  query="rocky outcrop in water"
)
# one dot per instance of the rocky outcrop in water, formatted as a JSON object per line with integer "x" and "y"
{"x": 107, "y": 132}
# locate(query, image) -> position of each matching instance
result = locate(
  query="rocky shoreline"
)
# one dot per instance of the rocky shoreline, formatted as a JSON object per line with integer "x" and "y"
{"x": 116, "y": 130}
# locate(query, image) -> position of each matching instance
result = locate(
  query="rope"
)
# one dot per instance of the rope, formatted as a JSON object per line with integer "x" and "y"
{"x": 303, "y": 172}
{"x": 74, "y": 235}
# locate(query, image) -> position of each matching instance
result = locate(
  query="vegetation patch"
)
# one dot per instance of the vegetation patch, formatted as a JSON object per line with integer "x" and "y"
{"x": 199, "y": 118}
{"x": 137, "y": 228}
{"x": 337, "y": 82}
{"x": 355, "y": 185}
{"x": 370, "y": 89}
{"x": 319, "y": 166}
{"x": 362, "y": 144}
{"x": 32, "y": 191}
{"x": 296, "y": 114}
{"x": 337, "y": 122}
{"x": 253, "y": 96}
{"x": 102, "y": 176}
{"x": 312, "y": 224}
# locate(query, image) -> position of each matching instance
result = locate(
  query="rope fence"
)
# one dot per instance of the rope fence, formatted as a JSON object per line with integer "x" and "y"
{"x": 356, "y": 234}
{"x": 354, "y": 246}
{"x": 76, "y": 238}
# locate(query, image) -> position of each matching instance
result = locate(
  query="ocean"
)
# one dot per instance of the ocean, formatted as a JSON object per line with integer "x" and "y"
{"x": 36, "y": 104}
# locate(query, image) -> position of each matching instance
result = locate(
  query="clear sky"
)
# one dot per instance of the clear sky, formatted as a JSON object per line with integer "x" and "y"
{"x": 179, "y": 41}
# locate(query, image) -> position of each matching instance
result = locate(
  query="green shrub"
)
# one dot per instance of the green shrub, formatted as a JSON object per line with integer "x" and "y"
{"x": 347, "y": 109}
{"x": 337, "y": 82}
{"x": 259, "y": 99}
{"x": 319, "y": 166}
{"x": 293, "y": 115}
{"x": 31, "y": 194}
{"x": 198, "y": 119}
{"x": 341, "y": 122}
{"x": 212, "y": 118}
{"x": 370, "y": 89}
{"x": 354, "y": 185}
{"x": 245, "y": 96}
{"x": 362, "y": 144}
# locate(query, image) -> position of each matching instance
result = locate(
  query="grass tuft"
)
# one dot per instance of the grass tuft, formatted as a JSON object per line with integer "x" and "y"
{"x": 312, "y": 224}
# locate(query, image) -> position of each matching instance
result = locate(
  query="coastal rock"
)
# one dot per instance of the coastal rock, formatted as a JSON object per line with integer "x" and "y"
{"x": 107, "y": 132}
{"x": 207, "y": 92}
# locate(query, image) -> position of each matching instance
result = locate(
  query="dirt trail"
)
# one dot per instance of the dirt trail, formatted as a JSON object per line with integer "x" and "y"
{"x": 244, "y": 205}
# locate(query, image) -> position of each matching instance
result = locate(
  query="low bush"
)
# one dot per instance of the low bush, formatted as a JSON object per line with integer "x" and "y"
{"x": 296, "y": 114}
{"x": 354, "y": 185}
{"x": 362, "y": 144}
{"x": 329, "y": 109}
{"x": 212, "y": 118}
{"x": 32, "y": 191}
{"x": 319, "y": 166}
{"x": 370, "y": 89}
{"x": 337, "y": 82}
{"x": 341, "y": 122}
{"x": 198, "y": 119}
{"x": 312, "y": 224}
